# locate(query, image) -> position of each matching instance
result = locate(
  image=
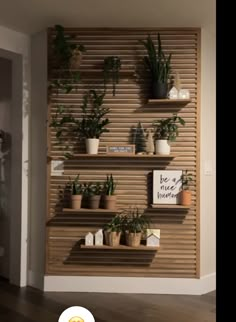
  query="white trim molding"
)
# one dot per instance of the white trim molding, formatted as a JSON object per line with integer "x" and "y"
{"x": 136, "y": 285}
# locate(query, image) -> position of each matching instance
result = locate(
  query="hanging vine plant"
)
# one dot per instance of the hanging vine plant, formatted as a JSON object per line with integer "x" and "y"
{"x": 111, "y": 69}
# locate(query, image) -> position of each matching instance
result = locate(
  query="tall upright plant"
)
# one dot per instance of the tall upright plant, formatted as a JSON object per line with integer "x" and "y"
{"x": 159, "y": 66}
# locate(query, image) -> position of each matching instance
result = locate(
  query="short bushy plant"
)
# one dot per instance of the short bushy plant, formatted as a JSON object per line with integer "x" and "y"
{"x": 167, "y": 129}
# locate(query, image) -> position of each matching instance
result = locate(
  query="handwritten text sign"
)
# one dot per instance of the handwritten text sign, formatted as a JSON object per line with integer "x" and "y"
{"x": 121, "y": 149}
{"x": 166, "y": 186}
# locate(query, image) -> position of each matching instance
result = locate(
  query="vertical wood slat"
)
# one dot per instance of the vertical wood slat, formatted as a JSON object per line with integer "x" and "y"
{"x": 127, "y": 108}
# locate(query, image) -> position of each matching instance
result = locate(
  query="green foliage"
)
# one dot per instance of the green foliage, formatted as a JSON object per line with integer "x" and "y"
{"x": 167, "y": 129}
{"x": 93, "y": 123}
{"x": 76, "y": 186}
{"x": 157, "y": 62}
{"x": 109, "y": 185}
{"x": 111, "y": 68}
{"x": 186, "y": 179}
{"x": 95, "y": 189}
{"x": 63, "y": 48}
{"x": 115, "y": 225}
{"x": 135, "y": 221}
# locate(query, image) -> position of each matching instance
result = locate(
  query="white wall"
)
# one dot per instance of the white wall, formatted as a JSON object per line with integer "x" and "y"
{"x": 15, "y": 46}
{"x": 5, "y": 163}
{"x": 38, "y": 196}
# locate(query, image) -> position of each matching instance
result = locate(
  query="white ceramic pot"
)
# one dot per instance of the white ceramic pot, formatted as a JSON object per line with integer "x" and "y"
{"x": 162, "y": 147}
{"x": 92, "y": 146}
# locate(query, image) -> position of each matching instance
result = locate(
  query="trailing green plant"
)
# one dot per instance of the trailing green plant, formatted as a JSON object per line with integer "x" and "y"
{"x": 63, "y": 51}
{"x": 135, "y": 221}
{"x": 186, "y": 179}
{"x": 156, "y": 61}
{"x": 167, "y": 129}
{"x": 92, "y": 123}
{"x": 109, "y": 185}
{"x": 111, "y": 69}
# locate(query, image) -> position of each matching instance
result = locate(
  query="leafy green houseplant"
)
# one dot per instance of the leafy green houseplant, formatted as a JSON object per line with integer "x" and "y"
{"x": 135, "y": 224}
{"x": 67, "y": 57}
{"x": 159, "y": 66}
{"x": 109, "y": 193}
{"x": 111, "y": 69}
{"x": 94, "y": 195}
{"x": 112, "y": 230}
{"x": 185, "y": 194}
{"x": 93, "y": 122}
{"x": 76, "y": 193}
{"x": 166, "y": 130}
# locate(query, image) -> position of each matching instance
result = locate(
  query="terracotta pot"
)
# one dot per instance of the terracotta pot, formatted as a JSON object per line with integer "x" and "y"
{"x": 112, "y": 238}
{"x": 109, "y": 202}
{"x": 94, "y": 202}
{"x": 185, "y": 197}
{"x": 76, "y": 201}
{"x": 133, "y": 239}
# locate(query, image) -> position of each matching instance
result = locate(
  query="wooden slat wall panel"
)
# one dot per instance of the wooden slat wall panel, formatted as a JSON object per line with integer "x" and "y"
{"x": 179, "y": 252}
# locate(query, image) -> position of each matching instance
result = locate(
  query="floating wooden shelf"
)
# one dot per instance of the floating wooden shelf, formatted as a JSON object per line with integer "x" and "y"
{"x": 104, "y": 155}
{"x": 122, "y": 247}
{"x": 174, "y": 207}
{"x": 169, "y": 102}
{"x": 87, "y": 210}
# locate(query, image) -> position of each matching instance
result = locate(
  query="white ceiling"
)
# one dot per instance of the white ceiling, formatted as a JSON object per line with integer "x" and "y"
{"x": 31, "y": 16}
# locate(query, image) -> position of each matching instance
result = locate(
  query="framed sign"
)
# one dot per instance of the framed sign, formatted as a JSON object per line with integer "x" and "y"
{"x": 121, "y": 149}
{"x": 166, "y": 186}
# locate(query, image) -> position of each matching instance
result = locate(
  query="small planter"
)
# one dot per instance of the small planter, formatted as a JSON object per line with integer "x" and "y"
{"x": 76, "y": 59}
{"x": 94, "y": 202}
{"x": 133, "y": 239}
{"x": 112, "y": 238}
{"x": 76, "y": 201}
{"x": 159, "y": 90}
{"x": 162, "y": 147}
{"x": 185, "y": 197}
{"x": 92, "y": 146}
{"x": 109, "y": 202}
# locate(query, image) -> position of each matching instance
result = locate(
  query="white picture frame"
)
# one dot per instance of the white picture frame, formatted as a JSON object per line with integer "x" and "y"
{"x": 166, "y": 186}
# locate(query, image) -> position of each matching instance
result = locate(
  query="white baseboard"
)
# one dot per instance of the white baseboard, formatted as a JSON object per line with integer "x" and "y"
{"x": 137, "y": 285}
{"x": 35, "y": 280}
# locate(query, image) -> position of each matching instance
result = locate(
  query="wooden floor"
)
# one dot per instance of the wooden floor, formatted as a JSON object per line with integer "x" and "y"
{"x": 28, "y": 305}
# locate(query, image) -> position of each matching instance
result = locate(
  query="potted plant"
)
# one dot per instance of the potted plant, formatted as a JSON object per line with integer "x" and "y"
{"x": 93, "y": 123}
{"x": 67, "y": 56}
{"x": 135, "y": 225}
{"x": 76, "y": 193}
{"x": 166, "y": 130}
{"x": 185, "y": 193}
{"x": 112, "y": 231}
{"x": 111, "y": 68}
{"x": 109, "y": 190}
{"x": 159, "y": 66}
{"x": 94, "y": 195}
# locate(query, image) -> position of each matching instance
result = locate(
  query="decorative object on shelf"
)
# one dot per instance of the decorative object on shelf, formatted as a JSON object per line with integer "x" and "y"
{"x": 111, "y": 68}
{"x": 166, "y": 186}
{"x": 76, "y": 193}
{"x": 166, "y": 130}
{"x": 94, "y": 195}
{"x": 67, "y": 56}
{"x": 158, "y": 65}
{"x": 185, "y": 193}
{"x": 113, "y": 229}
{"x": 135, "y": 223}
{"x": 89, "y": 239}
{"x": 177, "y": 81}
{"x": 153, "y": 237}
{"x": 184, "y": 94}
{"x": 120, "y": 149}
{"x": 57, "y": 167}
{"x": 173, "y": 93}
{"x": 98, "y": 237}
{"x": 149, "y": 142}
{"x": 139, "y": 139}
{"x": 109, "y": 193}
